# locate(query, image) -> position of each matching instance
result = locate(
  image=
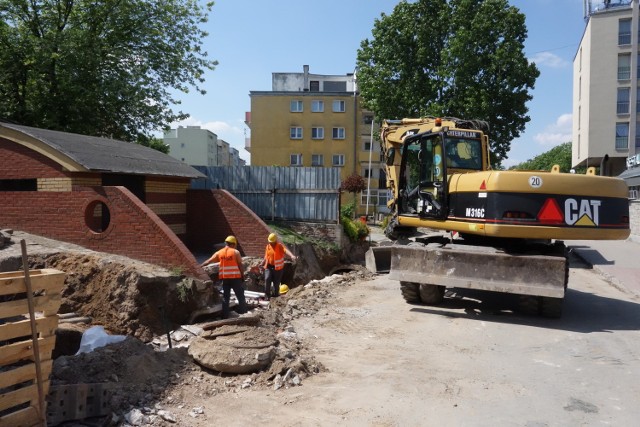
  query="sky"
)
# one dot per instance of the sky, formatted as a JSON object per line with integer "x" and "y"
{"x": 253, "y": 39}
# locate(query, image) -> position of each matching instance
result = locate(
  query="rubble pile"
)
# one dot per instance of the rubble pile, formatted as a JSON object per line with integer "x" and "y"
{"x": 261, "y": 350}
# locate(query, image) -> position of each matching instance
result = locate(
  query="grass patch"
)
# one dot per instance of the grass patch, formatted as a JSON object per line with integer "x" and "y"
{"x": 289, "y": 236}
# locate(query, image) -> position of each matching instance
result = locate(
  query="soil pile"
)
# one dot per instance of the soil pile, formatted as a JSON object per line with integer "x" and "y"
{"x": 140, "y": 376}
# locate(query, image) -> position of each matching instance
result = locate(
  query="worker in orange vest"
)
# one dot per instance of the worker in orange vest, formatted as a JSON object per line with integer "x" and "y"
{"x": 273, "y": 265}
{"x": 232, "y": 274}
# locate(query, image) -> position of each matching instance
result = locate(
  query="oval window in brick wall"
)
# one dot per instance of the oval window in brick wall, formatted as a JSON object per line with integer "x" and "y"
{"x": 97, "y": 216}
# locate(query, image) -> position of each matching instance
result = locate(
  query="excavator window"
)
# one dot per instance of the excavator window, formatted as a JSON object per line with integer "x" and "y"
{"x": 464, "y": 153}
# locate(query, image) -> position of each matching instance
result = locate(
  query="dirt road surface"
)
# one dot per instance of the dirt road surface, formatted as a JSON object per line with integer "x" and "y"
{"x": 466, "y": 363}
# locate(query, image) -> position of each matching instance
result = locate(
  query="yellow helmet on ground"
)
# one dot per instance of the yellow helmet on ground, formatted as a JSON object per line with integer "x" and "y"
{"x": 272, "y": 238}
{"x": 231, "y": 239}
{"x": 284, "y": 289}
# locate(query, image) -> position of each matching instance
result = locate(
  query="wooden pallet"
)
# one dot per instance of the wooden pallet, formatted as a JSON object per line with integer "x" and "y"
{"x": 19, "y": 400}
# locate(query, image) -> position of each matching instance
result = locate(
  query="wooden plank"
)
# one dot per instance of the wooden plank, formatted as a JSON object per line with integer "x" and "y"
{"x": 22, "y": 350}
{"x": 19, "y": 396}
{"x": 45, "y": 303}
{"x": 14, "y": 274}
{"x": 46, "y": 327}
{"x": 48, "y": 280}
{"x": 26, "y": 417}
{"x": 24, "y": 373}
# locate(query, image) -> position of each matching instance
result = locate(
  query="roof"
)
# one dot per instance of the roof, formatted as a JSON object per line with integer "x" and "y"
{"x": 81, "y": 153}
{"x": 631, "y": 176}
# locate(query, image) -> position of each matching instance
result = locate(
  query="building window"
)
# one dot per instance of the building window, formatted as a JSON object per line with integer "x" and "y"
{"x": 317, "y": 160}
{"x": 338, "y": 133}
{"x": 368, "y": 119}
{"x": 317, "y": 106}
{"x": 295, "y": 133}
{"x": 314, "y": 86}
{"x": 337, "y": 160}
{"x": 317, "y": 133}
{"x": 624, "y": 32}
{"x": 624, "y": 66}
{"x": 622, "y": 136}
{"x": 338, "y": 106}
{"x": 296, "y": 160}
{"x": 623, "y": 100}
{"x": 638, "y": 137}
{"x": 296, "y": 106}
{"x": 376, "y": 197}
{"x": 367, "y": 146}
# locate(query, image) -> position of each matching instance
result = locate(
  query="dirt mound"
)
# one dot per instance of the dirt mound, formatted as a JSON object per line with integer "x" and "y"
{"x": 142, "y": 377}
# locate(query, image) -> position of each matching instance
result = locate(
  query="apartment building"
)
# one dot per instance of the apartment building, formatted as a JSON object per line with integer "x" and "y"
{"x": 200, "y": 147}
{"x": 317, "y": 120}
{"x": 606, "y": 101}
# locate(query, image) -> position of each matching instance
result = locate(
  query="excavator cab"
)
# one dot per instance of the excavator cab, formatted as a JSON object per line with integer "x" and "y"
{"x": 428, "y": 161}
{"x": 422, "y": 177}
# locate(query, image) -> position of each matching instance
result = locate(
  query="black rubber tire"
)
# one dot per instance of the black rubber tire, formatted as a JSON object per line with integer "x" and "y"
{"x": 551, "y": 307}
{"x": 410, "y": 292}
{"x": 529, "y": 304}
{"x": 431, "y": 294}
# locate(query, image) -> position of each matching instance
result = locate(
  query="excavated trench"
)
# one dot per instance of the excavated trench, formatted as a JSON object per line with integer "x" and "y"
{"x": 136, "y": 299}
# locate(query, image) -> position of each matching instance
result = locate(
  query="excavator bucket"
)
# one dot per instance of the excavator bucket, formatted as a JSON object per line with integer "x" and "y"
{"x": 480, "y": 267}
{"x": 378, "y": 259}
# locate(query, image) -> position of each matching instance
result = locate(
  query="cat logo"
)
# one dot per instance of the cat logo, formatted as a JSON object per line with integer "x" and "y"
{"x": 582, "y": 212}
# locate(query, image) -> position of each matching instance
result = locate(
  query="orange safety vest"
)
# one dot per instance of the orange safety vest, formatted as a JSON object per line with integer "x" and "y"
{"x": 275, "y": 255}
{"x": 229, "y": 268}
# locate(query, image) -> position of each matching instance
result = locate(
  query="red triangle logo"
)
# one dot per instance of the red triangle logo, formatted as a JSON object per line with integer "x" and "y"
{"x": 550, "y": 212}
{"x": 483, "y": 186}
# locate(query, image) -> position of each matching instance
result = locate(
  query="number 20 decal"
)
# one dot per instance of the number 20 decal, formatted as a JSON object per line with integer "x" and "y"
{"x": 535, "y": 181}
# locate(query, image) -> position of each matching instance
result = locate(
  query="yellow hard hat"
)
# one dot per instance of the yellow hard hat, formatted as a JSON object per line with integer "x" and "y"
{"x": 284, "y": 289}
{"x": 231, "y": 239}
{"x": 273, "y": 238}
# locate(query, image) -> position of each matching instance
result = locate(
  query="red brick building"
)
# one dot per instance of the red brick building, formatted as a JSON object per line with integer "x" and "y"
{"x": 116, "y": 197}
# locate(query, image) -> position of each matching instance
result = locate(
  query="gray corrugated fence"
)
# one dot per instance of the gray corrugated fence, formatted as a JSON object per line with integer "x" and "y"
{"x": 276, "y": 192}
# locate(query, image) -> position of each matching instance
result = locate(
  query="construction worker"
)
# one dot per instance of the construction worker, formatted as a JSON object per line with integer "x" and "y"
{"x": 232, "y": 274}
{"x": 273, "y": 265}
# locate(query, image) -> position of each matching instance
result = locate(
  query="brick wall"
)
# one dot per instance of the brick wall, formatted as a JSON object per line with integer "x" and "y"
{"x": 215, "y": 214}
{"x": 167, "y": 198}
{"x": 19, "y": 162}
{"x": 133, "y": 231}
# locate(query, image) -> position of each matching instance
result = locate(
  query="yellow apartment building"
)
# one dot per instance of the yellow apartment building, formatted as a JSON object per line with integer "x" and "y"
{"x": 317, "y": 120}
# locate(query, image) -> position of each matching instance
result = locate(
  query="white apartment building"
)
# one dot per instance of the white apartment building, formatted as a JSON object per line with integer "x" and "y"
{"x": 200, "y": 147}
{"x": 606, "y": 101}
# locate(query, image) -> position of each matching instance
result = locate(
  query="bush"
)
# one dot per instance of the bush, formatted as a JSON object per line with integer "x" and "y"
{"x": 348, "y": 210}
{"x": 355, "y": 230}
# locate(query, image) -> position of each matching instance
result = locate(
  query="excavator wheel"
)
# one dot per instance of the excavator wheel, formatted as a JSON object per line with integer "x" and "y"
{"x": 551, "y": 307}
{"x": 410, "y": 292}
{"x": 529, "y": 304}
{"x": 431, "y": 294}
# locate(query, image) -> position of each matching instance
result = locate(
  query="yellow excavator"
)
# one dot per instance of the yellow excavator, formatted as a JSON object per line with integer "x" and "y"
{"x": 459, "y": 224}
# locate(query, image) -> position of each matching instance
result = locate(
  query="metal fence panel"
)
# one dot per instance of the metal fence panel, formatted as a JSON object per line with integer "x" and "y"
{"x": 276, "y": 192}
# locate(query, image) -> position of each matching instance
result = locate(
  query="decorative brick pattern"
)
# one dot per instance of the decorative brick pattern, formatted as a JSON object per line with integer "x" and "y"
{"x": 55, "y": 184}
{"x": 134, "y": 230}
{"x": 166, "y": 185}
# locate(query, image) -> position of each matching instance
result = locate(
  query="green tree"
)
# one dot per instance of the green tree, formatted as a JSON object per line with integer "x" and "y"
{"x": 461, "y": 58}
{"x": 100, "y": 67}
{"x": 559, "y": 155}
